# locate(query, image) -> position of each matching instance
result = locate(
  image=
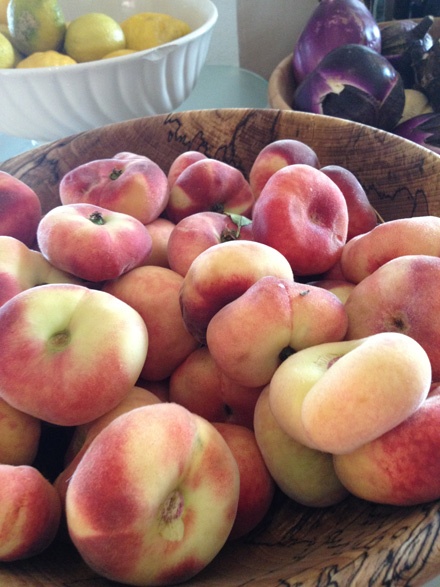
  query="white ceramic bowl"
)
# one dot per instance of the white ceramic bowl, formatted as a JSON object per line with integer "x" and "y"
{"x": 47, "y": 104}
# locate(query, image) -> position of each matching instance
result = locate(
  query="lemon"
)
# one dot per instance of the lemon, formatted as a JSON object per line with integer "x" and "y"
{"x": 93, "y": 35}
{"x": 150, "y": 29}
{"x": 7, "y": 53}
{"x": 119, "y": 53}
{"x": 36, "y": 25}
{"x": 4, "y": 30}
{"x": 45, "y": 59}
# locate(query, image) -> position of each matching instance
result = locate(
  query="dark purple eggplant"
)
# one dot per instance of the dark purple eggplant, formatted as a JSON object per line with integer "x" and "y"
{"x": 332, "y": 24}
{"x": 423, "y": 129}
{"x": 405, "y": 41}
{"x": 356, "y": 83}
{"x": 427, "y": 75}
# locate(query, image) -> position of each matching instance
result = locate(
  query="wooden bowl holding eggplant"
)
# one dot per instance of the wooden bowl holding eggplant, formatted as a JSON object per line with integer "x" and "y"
{"x": 386, "y": 74}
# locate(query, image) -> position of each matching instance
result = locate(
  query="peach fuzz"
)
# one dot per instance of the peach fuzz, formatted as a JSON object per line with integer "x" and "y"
{"x": 303, "y": 214}
{"x": 126, "y": 183}
{"x": 181, "y": 162}
{"x": 69, "y": 353}
{"x": 30, "y": 512}
{"x": 84, "y": 434}
{"x": 362, "y": 217}
{"x": 281, "y": 317}
{"x": 22, "y": 268}
{"x": 145, "y": 488}
{"x": 209, "y": 184}
{"x": 275, "y": 156}
{"x": 20, "y": 209}
{"x": 154, "y": 293}
{"x": 221, "y": 274}
{"x": 303, "y": 474}
{"x": 401, "y": 467}
{"x": 93, "y": 243}
{"x": 19, "y": 436}
{"x": 200, "y": 386}
{"x": 196, "y": 233}
{"x": 337, "y": 396}
{"x": 257, "y": 488}
{"x": 400, "y": 296}
{"x": 404, "y": 236}
{"x": 160, "y": 231}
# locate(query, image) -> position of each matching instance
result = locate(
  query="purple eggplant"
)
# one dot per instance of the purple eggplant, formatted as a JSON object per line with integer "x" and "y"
{"x": 356, "y": 83}
{"x": 423, "y": 129}
{"x": 427, "y": 74}
{"x": 405, "y": 42}
{"x": 332, "y": 24}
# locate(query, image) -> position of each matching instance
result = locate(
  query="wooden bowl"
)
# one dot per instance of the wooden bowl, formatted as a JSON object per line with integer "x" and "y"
{"x": 281, "y": 87}
{"x": 355, "y": 542}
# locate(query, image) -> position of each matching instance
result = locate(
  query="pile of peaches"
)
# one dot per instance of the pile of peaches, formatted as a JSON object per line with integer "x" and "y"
{"x": 209, "y": 340}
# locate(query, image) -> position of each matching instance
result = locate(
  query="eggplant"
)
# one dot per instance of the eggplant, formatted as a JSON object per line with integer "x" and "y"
{"x": 356, "y": 83}
{"x": 405, "y": 42}
{"x": 427, "y": 75}
{"x": 332, "y": 24}
{"x": 423, "y": 129}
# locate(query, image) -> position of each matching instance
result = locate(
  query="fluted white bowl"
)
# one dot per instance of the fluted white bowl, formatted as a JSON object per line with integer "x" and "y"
{"x": 46, "y": 104}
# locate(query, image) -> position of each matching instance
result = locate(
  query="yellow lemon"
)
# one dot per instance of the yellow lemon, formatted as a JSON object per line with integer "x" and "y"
{"x": 7, "y": 53}
{"x": 3, "y": 9}
{"x": 93, "y": 35}
{"x": 36, "y": 26}
{"x": 119, "y": 53}
{"x": 45, "y": 59}
{"x": 4, "y": 30}
{"x": 150, "y": 29}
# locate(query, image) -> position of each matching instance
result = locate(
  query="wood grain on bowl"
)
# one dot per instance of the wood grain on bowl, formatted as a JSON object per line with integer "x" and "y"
{"x": 353, "y": 543}
{"x": 401, "y": 179}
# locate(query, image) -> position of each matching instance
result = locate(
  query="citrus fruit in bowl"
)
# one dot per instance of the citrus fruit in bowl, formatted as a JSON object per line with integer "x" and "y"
{"x": 37, "y": 27}
{"x": 47, "y": 99}
{"x": 93, "y": 35}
